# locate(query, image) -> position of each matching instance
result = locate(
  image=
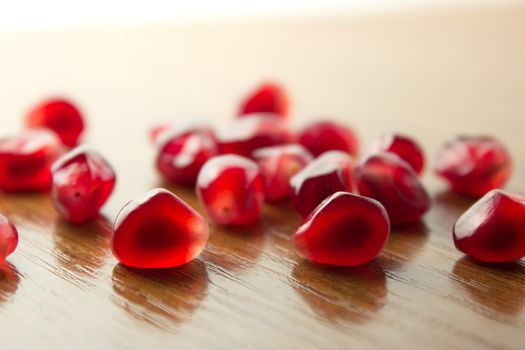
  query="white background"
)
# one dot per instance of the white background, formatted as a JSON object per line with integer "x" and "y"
{"x": 15, "y": 14}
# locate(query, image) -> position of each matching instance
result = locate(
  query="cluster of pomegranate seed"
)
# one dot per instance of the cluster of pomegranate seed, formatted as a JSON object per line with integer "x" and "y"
{"x": 26, "y": 158}
{"x": 317, "y": 168}
{"x": 348, "y": 204}
{"x": 39, "y": 159}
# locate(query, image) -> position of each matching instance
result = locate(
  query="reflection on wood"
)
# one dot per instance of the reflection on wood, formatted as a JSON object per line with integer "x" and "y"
{"x": 336, "y": 294}
{"x": 405, "y": 244}
{"x": 496, "y": 291}
{"x": 164, "y": 297}
{"x": 235, "y": 248}
{"x": 72, "y": 241}
{"x": 9, "y": 280}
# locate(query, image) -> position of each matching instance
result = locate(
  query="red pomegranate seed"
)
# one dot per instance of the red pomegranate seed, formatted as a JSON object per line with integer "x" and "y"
{"x": 329, "y": 173}
{"x": 474, "y": 165}
{"x": 277, "y": 165}
{"x": 392, "y": 181}
{"x": 345, "y": 229}
{"x": 246, "y": 135}
{"x": 158, "y": 230}
{"x": 231, "y": 189}
{"x": 82, "y": 182}
{"x": 8, "y": 238}
{"x": 61, "y": 116}
{"x": 323, "y": 136}
{"x": 493, "y": 229}
{"x": 157, "y": 131}
{"x": 268, "y": 98}
{"x": 183, "y": 153}
{"x": 25, "y": 161}
{"x": 402, "y": 146}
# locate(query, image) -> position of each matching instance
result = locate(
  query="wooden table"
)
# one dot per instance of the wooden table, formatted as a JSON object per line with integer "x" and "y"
{"x": 431, "y": 75}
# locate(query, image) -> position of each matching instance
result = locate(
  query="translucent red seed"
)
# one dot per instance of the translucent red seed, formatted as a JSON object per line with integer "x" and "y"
{"x": 268, "y": 98}
{"x": 392, "y": 181}
{"x": 493, "y": 229}
{"x": 158, "y": 230}
{"x": 82, "y": 182}
{"x": 25, "y": 161}
{"x": 474, "y": 165}
{"x": 61, "y": 116}
{"x": 182, "y": 154}
{"x": 404, "y": 147}
{"x": 277, "y": 166}
{"x": 323, "y": 136}
{"x": 329, "y": 173}
{"x": 8, "y": 238}
{"x": 345, "y": 229}
{"x": 252, "y": 132}
{"x": 157, "y": 131}
{"x": 231, "y": 189}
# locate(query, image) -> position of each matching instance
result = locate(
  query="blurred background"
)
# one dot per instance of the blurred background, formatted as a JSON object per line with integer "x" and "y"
{"x": 431, "y": 69}
{"x": 63, "y": 13}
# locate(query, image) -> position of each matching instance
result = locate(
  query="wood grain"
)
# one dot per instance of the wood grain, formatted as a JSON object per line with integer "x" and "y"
{"x": 431, "y": 75}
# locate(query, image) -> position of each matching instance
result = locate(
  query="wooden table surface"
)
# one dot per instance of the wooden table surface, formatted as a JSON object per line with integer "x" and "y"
{"x": 431, "y": 75}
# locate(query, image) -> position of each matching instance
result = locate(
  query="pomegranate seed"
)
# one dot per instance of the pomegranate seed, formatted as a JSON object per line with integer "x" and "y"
{"x": 59, "y": 115}
{"x": 474, "y": 165}
{"x": 345, "y": 229}
{"x": 493, "y": 229}
{"x": 25, "y": 161}
{"x": 246, "y": 135}
{"x": 392, "y": 181}
{"x": 329, "y": 173}
{"x": 268, "y": 98}
{"x": 157, "y": 131}
{"x": 8, "y": 238}
{"x": 82, "y": 182}
{"x": 323, "y": 136}
{"x": 158, "y": 230}
{"x": 277, "y": 165}
{"x": 402, "y": 146}
{"x": 231, "y": 189}
{"x": 183, "y": 153}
